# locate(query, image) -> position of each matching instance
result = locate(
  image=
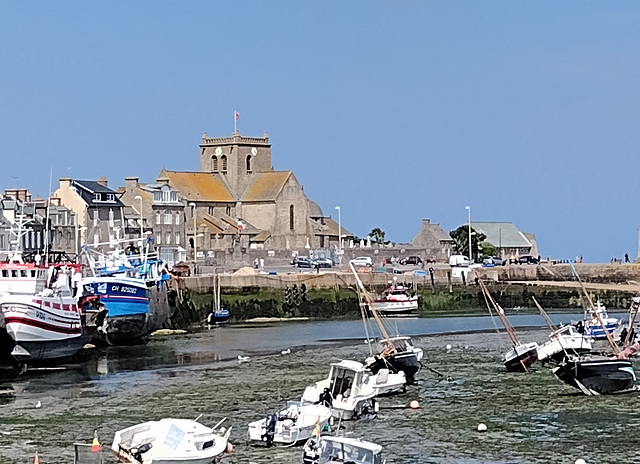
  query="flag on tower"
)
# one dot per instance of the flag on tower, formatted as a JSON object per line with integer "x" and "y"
{"x": 237, "y": 115}
{"x": 95, "y": 446}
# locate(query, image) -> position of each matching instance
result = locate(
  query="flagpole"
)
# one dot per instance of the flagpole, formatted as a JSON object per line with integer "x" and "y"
{"x": 235, "y": 122}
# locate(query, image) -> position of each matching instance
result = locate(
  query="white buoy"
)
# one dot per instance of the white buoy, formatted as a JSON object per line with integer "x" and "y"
{"x": 449, "y": 347}
{"x": 287, "y": 351}
{"x": 482, "y": 428}
{"x": 243, "y": 359}
{"x": 38, "y": 405}
{"x": 581, "y": 461}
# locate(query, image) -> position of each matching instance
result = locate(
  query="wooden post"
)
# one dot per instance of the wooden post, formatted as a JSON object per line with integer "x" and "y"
{"x": 433, "y": 283}
{"x": 449, "y": 281}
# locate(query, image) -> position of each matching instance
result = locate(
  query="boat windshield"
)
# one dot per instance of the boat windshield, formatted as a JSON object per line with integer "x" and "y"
{"x": 345, "y": 452}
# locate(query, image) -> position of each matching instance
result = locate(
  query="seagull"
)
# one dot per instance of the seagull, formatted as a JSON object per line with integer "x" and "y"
{"x": 242, "y": 359}
{"x": 287, "y": 351}
{"x": 38, "y": 405}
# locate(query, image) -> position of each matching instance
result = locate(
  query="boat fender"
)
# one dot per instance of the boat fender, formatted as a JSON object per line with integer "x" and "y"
{"x": 229, "y": 448}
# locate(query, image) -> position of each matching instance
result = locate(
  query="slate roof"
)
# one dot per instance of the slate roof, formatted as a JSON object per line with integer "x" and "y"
{"x": 199, "y": 186}
{"x": 502, "y": 234}
{"x": 86, "y": 189}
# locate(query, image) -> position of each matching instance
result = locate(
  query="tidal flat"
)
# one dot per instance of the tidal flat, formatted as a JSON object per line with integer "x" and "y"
{"x": 530, "y": 418}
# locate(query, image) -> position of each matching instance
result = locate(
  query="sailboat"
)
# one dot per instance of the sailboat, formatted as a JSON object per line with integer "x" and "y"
{"x": 598, "y": 374}
{"x": 522, "y": 355}
{"x": 219, "y": 314}
{"x": 397, "y": 354}
{"x": 562, "y": 342}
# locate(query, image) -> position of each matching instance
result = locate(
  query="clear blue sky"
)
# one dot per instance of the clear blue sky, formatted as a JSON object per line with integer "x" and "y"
{"x": 528, "y": 112}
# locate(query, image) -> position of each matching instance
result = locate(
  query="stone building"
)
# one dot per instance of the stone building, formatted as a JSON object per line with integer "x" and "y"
{"x": 435, "y": 242}
{"x": 506, "y": 237}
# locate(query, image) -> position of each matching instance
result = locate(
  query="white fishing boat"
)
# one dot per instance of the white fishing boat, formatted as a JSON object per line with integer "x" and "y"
{"x": 352, "y": 389}
{"x": 171, "y": 441}
{"x": 292, "y": 425}
{"x": 396, "y": 300}
{"x": 327, "y": 449}
{"x": 562, "y": 342}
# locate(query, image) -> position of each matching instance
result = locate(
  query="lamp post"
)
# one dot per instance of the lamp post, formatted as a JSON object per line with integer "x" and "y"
{"x": 339, "y": 232}
{"x": 468, "y": 208}
{"x": 138, "y": 197}
{"x": 195, "y": 238}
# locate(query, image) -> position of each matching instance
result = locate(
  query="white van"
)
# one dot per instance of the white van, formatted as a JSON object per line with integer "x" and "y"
{"x": 459, "y": 261}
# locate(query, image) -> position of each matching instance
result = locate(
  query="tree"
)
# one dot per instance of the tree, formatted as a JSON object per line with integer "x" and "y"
{"x": 377, "y": 235}
{"x": 487, "y": 249}
{"x": 461, "y": 237}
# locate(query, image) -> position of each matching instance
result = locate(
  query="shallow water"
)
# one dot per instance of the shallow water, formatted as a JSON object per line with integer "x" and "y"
{"x": 531, "y": 418}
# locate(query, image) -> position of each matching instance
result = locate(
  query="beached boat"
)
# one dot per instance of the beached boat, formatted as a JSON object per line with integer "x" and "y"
{"x": 520, "y": 357}
{"x": 597, "y": 375}
{"x": 219, "y": 315}
{"x": 328, "y": 449}
{"x": 352, "y": 389}
{"x": 132, "y": 288}
{"x": 396, "y": 354}
{"x": 563, "y": 342}
{"x": 597, "y": 320}
{"x": 170, "y": 441}
{"x": 292, "y": 425}
{"x": 395, "y": 300}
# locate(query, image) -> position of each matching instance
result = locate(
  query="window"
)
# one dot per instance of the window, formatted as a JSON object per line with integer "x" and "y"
{"x": 177, "y": 238}
{"x": 291, "y": 218}
{"x": 96, "y": 197}
{"x": 248, "y": 163}
{"x": 111, "y": 197}
{"x": 96, "y": 218}
{"x": 168, "y": 218}
{"x": 223, "y": 158}
{"x": 96, "y": 238}
{"x": 168, "y": 238}
{"x": 177, "y": 219}
{"x": 110, "y": 218}
{"x": 158, "y": 238}
{"x": 228, "y": 210}
{"x": 214, "y": 163}
{"x": 158, "y": 218}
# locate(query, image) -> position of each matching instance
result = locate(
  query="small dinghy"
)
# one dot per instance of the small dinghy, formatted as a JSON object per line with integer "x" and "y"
{"x": 290, "y": 426}
{"x": 328, "y": 449}
{"x": 170, "y": 441}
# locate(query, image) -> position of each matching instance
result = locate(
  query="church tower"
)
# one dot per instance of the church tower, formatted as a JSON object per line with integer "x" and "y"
{"x": 236, "y": 158}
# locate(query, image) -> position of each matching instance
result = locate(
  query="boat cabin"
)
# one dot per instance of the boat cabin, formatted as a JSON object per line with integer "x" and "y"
{"x": 342, "y": 449}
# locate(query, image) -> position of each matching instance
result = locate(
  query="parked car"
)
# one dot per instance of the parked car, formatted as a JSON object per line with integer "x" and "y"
{"x": 323, "y": 262}
{"x": 492, "y": 261}
{"x": 411, "y": 260}
{"x": 528, "y": 259}
{"x": 459, "y": 261}
{"x": 362, "y": 261}
{"x": 302, "y": 261}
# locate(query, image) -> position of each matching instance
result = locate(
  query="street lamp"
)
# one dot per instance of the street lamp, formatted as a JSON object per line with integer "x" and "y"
{"x": 138, "y": 197}
{"x": 339, "y": 231}
{"x": 468, "y": 208}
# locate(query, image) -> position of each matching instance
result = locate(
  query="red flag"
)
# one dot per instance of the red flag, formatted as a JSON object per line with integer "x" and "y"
{"x": 36, "y": 459}
{"x": 237, "y": 115}
{"x": 95, "y": 446}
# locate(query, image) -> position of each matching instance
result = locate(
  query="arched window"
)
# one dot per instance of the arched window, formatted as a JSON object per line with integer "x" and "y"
{"x": 214, "y": 163}
{"x": 291, "y": 218}
{"x": 248, "y": 163}
{"x": 223, "y": 158}
{"x": 228, "y": 210}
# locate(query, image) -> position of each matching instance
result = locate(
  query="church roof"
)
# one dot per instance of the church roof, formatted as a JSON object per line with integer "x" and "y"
{"x": 199, "y": 186}
{"x": 502, "y": 234}
{"x": 266, "y": 186}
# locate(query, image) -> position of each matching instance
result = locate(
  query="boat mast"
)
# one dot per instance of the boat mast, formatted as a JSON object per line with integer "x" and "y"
{"x": 550, "y": 325}
{"x": 500, "y": 312}
{"x": 375, "y": 314}
{"x": 614, "y": 347}
{"x": 634, "y": 311}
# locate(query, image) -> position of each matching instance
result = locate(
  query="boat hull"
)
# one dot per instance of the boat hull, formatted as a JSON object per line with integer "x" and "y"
{"x": 42, "y": 328}
{"x": 520, "y": 358}
{"x": 597, "y": 376}
{"x": 291, "y": 427}
{"x": 396, "y": 306}
{"x": 406, "y": 362}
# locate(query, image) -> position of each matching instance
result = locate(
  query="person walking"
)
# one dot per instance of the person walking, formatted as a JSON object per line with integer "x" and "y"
{"x": 626, "y": 257}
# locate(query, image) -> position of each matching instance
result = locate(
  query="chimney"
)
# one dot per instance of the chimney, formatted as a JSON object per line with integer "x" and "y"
{"x": 130, "y": 184}
{"x": 103, "y": 181}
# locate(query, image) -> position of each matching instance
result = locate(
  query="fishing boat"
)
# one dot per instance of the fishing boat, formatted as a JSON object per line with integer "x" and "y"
{"x": 327, "y": 449}
{"x": 291, "y": 425}
{"x": 132, "y": 287}
{"x": 39, "y": 309}
{"x": 562, "y": 342}
{"x": 352, "y": 389}
{"x": 396, "y": 300}
{"x": 171, "y": 441}
{"x": 396, "y": 354}
{"x": 520, "y": 357}
{"x": 597, "y": 320}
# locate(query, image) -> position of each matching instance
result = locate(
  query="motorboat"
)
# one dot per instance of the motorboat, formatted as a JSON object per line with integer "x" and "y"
{"x": 406, "y": 358}
{"x": 596, "y": 321}
{"x": 396, "y": 300}
{"x": 171, "y": 441}
{"x": 562, "y": 342}
{"x": 327, "y": 449}
{"x": 291, "y": 425}
{"x": 597, "y": 375}
{"x": 352, "y": 389}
